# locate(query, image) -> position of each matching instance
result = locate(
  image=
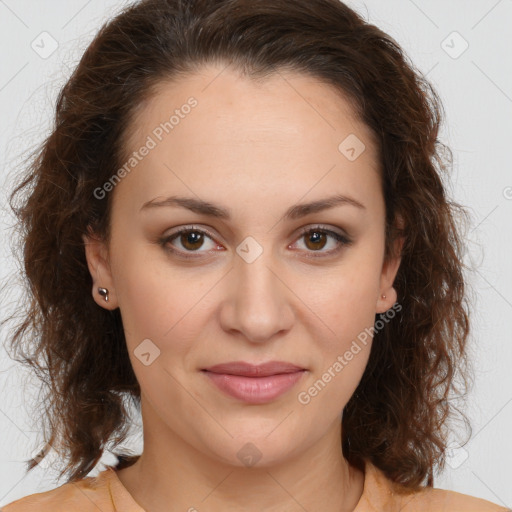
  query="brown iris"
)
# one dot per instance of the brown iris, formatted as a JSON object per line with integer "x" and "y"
{"x": 190, "y": 240}
{"x": 315, "y": 237}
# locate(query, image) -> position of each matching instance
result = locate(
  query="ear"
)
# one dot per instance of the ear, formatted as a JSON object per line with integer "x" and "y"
{"x": 97, "y": 255}
{"x": 389, "y": 271}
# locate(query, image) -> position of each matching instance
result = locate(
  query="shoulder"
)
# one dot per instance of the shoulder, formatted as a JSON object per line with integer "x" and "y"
{"x": 434, "y": 500}
{"x": 382, "y": 492}
{"x": 87, "y": 495}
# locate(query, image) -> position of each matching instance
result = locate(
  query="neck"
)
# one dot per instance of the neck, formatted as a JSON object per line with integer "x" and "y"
{"x": 172, "y": 473}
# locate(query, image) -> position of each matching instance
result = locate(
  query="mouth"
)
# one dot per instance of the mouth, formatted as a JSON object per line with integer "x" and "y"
{"x": 254, "y": 384}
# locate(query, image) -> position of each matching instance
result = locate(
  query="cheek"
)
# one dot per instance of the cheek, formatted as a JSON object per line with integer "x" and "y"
{"x": 149, "y": 299}
{"x": 345, "y": 305}
{"x": 159, "y": 301}
{"x": 345, "y": 301}
{"x": 333, "y": 384}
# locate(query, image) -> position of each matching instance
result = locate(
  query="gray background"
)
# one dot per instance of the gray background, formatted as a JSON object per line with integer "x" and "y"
{"x": 475, "y": 84}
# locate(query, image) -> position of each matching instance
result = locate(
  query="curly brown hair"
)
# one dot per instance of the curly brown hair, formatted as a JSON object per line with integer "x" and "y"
{"x": 398, "y": 416}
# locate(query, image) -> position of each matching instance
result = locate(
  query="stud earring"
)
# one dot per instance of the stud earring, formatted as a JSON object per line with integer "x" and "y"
{"x": 104, "y": 293}
{"x": 383, "y": 296}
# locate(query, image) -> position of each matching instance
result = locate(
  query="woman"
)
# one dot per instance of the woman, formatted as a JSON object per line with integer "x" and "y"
{"x": 239, "y": 223}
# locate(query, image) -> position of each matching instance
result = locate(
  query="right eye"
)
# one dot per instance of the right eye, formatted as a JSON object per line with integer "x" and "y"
{"x": 190, "y": 238}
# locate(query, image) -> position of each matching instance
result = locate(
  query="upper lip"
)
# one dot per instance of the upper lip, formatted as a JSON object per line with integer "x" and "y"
{"x": 252, "y": 370}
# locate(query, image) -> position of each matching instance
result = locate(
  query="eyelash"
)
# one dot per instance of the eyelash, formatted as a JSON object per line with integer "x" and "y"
{"x": 343, "y": 240}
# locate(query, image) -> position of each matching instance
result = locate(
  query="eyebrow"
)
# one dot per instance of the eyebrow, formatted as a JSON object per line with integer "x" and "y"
{"x": 212, "y": 210}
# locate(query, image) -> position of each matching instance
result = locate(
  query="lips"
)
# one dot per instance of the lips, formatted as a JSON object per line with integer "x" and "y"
{"x": 254, "y": 384}
{"x": 250, "y": 370}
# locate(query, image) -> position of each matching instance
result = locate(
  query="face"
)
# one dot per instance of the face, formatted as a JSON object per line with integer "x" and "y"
{"x": 245, "y": 282}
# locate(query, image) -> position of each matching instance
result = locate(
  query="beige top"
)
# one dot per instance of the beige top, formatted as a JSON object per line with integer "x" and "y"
{"x": 106, "y": 493}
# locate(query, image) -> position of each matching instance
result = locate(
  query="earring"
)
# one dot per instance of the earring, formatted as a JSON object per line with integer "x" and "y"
{"x": 383, "y": 296}
{"x": 103, "y": 292}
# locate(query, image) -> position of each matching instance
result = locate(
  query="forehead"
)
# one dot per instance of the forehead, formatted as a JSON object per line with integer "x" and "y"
{"x": 284, "y": 102}
{"x": 216, "y": 130}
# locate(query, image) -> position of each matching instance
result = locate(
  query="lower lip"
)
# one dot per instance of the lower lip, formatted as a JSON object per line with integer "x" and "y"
{"x": 255, "y": 390}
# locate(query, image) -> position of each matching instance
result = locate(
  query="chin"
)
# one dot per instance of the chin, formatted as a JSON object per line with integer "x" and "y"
{"x": 255, "y": 451}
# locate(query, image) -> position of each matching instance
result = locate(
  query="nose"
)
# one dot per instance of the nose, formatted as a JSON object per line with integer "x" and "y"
{"x": 259, "y": 301}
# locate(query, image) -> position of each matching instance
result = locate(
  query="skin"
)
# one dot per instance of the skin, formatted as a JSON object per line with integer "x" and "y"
{"x": 256, "y": 148}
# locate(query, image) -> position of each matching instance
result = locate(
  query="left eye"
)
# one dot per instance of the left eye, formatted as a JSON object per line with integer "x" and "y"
{"x": 317, "y": 236}
{"x": 192, "y": 239}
